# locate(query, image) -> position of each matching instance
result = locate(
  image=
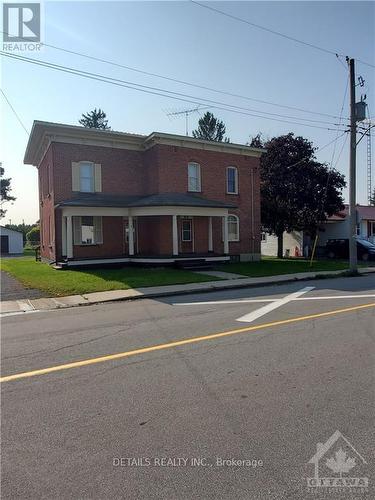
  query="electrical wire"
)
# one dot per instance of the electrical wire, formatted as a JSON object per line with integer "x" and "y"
{"x": 160, "y": 92}
{"x": 14, "y": 112}
{"x": 274, "y": 32}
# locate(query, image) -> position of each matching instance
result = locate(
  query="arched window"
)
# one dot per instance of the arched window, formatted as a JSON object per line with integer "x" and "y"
{"x": 232, "y": 180}
{"x": 233, "y": 228}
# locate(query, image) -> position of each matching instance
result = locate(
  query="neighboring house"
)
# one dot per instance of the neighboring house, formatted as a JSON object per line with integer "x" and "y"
{"x": 157, "y": 198}
{"x": 11, "y": 241}
{"x": 297, "y": 243}
{"x": 293, "y": 244}
{"x": 337, "y": 226}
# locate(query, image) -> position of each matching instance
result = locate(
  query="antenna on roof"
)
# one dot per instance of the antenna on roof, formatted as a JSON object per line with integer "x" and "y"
{"x": 172, "y": 114}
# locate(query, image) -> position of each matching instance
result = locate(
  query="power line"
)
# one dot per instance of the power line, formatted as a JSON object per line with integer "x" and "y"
{"x": 14, "y": 112}
{"x": 341, "y": 112}
{"x": 278, "y": 33}
{"x": 184, "y": 82}
{"x": 162, "y": 92}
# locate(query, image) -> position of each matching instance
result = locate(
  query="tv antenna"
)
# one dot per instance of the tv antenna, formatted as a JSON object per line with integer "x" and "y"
{"x": 172, "y": 114}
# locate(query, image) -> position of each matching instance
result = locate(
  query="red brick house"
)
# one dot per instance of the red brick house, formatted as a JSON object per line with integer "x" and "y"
{"x": 121, "y": 197}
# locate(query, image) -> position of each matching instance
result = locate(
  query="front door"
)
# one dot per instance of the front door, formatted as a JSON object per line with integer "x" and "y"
{"x": 186, "y": 236}
{"x": 126, "y": 236}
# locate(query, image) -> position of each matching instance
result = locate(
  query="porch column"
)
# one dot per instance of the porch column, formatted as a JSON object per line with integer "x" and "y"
{"x": 69, "y": 237}
{"x": 63, "y": 236}
{"x": 225, "y": 234}
{"x": 210, "y": 241}
{"x": 174, "y": 234}
{"x": 131, "y": 235}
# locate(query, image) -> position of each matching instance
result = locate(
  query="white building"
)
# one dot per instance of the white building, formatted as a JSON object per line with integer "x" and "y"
{"x": 11, "y": 241}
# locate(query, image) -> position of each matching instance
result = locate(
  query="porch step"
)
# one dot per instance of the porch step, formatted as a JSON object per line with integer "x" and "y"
{"x": 194, "y": 265}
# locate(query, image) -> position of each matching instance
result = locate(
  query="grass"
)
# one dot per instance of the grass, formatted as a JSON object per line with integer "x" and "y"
{"x": 55, "y": 283}
{"x": 272, "y": 266}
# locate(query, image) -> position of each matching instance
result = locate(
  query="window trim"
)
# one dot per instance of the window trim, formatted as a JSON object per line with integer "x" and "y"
{"x": 92, "y": 165}
{"x": 199, "y": 178}
{"x": 191, "y": 230}
{"x": 77, "y": 220}
{"x": 238, "y": 228}
{"x": 235, "y": 179}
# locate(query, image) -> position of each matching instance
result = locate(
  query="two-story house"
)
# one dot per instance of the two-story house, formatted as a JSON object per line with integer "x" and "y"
{"x": 118, "y": 197}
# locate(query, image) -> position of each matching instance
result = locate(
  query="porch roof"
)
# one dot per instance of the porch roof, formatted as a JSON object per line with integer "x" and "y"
{"x": 155, "y": 200}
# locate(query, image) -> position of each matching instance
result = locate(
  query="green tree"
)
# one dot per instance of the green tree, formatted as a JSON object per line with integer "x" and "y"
{"x": 95, "y": 119}
{"x": 33, "y": 236}
{"x": 5, "y": 191}
{"x": 372, "y": 199}
{"x": 297, "y": 192}
{"x": 256, "y": 141}
{"x": 210, "y": 128}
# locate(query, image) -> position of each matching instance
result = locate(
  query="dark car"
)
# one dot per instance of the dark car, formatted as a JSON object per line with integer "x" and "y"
{"x": 339, "y": 249}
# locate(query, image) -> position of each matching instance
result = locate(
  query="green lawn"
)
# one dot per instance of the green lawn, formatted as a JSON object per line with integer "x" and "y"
{"x": 54, "y": 282}
{"x": 272, "y": 266}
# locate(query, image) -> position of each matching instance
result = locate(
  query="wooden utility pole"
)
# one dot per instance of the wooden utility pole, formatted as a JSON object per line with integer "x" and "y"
{"x": 352, "y": 172}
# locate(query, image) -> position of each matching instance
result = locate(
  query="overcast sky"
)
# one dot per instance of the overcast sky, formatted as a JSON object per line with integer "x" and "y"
{"x": 184, "y": 41}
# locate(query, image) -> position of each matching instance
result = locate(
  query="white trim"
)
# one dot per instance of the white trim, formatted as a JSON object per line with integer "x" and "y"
{"x": 225, "y": 234}
{"x": 190, "y": 221}
{"x": 145, "y": 260}
{"x": 63, "y": 236}
{"x": 210, "y": 238}
{"x": 145, "y": 211}
{"x": 69, "y": 237}
{"x": 130, "y": 235}
{"x": 174, "y": 235}
{"x": 238, "y": 227}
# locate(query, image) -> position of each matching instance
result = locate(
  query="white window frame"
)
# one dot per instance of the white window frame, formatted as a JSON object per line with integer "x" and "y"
{"x": 190, "y": 222}
{"x": 92, "y": 178}
{"x": 235, "y": 169}
{"x": 198, "y": 187}
{"x": 237, "y": 237}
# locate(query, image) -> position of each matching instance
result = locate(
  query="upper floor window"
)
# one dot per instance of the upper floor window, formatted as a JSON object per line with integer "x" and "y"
{"x": 232, "y": 180}
{"x": 86, "y": 177}
{"x": 194, "y": 177}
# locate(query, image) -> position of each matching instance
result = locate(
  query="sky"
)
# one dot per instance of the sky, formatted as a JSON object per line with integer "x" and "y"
{"x": 184, "y": 41}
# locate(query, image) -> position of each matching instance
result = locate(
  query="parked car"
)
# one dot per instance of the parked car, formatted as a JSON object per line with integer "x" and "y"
{"x": 339, "y": 249}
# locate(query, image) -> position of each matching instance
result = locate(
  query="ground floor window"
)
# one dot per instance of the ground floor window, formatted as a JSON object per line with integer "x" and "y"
{"x": 233, "y": 228}
{"x": 88, "y": 230}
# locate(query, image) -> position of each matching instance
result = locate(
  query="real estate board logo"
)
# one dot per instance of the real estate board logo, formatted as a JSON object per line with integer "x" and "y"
{"x": 21, "y": 26}
{"x": 334, "y": 463}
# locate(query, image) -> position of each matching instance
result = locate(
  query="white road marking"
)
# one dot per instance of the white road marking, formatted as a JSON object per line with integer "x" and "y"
{"x": 249, "y": 318}
{"x": 249, "y": 301}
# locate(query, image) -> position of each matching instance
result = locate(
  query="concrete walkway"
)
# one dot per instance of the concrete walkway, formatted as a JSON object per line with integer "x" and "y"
{"x": 42, "y": 304}
{"x": 222, "y": 275}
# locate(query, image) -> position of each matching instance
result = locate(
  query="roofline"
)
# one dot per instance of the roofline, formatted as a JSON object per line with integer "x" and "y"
{"x": 44, "y": 133}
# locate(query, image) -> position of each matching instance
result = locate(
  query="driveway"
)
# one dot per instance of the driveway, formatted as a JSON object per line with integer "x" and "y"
{"x": 11, "y": 289}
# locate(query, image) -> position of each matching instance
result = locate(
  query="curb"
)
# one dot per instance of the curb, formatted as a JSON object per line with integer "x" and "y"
{"x": 56, "y": 303}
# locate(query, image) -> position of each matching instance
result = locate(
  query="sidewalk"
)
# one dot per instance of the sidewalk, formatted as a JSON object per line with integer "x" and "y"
{"x": 43, "y": 304}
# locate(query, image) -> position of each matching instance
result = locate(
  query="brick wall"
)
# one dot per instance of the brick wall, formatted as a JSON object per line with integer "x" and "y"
{"x": 159, "y": 169}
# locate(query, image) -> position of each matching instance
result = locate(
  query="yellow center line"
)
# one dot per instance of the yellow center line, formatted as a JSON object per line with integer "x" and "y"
{"x": 169, "y": 345}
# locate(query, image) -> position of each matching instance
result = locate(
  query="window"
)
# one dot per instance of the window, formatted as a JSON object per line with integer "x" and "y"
{"x": 233, "y": 228}
{"x": 232, "y": 180}
{"x": 194, "y": 177}
{"x": 86, "y": 177}
{"x": 358, "y": 229}
{"x": 263, "y": 236}
{"x": 186, "y": 230}
{"x": 87, "y": 230}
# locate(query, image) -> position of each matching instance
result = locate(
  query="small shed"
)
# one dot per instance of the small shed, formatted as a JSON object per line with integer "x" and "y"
{"x": 11, "y": 241}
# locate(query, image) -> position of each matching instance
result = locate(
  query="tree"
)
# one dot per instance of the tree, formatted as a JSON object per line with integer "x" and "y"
{"x": 33, "y": 236}
{"x": 372, "y": 199}
{"x": 5, "y": 191}
{"x": 210, "y": 128}
{"x": 297, "y": 192}
{"x": 256, "y": 141}
{"x": 95, "y": 119}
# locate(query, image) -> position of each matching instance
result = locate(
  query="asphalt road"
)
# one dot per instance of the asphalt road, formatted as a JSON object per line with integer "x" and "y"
{"x": 157, "y": 424}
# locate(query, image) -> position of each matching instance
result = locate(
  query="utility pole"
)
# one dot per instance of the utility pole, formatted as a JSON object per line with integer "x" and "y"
{"x": 352, "y": 172}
